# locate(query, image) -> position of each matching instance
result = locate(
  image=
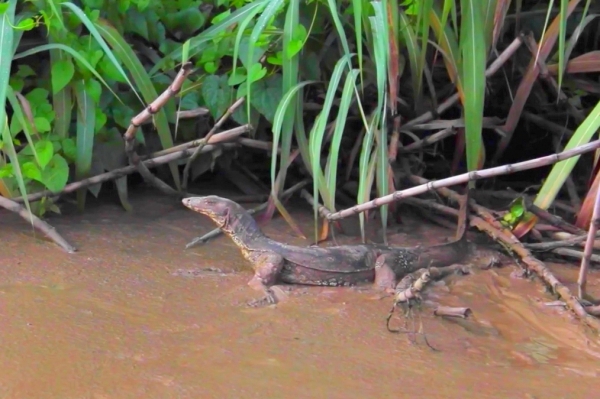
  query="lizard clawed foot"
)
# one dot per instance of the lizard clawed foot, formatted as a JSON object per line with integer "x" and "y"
{"x": 273, "y": 295}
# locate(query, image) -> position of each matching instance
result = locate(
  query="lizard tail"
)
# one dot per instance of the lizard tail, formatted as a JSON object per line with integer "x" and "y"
{"x": 463, "y": 218}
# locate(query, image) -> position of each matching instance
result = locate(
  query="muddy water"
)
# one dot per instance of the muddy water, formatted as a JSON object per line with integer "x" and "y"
{"x": 133, "y": 315}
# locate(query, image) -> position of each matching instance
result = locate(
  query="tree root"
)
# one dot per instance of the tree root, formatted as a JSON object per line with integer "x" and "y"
{"x": 38, "y": 223}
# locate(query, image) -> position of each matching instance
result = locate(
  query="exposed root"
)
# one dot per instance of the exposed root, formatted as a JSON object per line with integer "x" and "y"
{"x": 38, "y": 223}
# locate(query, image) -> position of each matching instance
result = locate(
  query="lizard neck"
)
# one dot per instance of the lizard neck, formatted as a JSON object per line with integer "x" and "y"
{"x": 243, "y": 230}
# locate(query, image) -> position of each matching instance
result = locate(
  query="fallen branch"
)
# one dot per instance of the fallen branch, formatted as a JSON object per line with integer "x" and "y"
{"x": 153, "y": 162}
{"x": 449, "y": 311}
{"x": 38, "y": 223}
{"x": 115, "y": 174}
{"x": 571, "y": 253}
{"x": 550, "y": 245}
{"x": 466, "y": 177}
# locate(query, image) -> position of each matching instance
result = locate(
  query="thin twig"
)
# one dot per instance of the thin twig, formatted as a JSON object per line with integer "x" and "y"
{"x": 38, "y": 223}
{"x": 572, "y": 253}
{"x": 550, "y": 245}
{"x": 217, "y": 126}
{"x": 466, "y": 177}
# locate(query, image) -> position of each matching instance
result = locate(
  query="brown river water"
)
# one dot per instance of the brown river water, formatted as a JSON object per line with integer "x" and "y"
{"x": 134, "y": 315}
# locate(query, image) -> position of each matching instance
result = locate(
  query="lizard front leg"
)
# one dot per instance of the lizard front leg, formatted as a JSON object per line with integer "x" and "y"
{"x": 266, "y": 270}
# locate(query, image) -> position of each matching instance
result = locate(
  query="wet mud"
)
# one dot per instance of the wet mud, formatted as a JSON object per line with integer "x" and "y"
{"x": 134, "y": 315}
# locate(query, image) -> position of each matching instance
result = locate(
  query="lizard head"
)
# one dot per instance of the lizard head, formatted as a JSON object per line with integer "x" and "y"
{"x": 218, "y": 209}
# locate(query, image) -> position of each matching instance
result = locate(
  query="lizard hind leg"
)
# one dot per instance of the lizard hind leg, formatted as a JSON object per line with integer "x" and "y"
{"x": 267, "y": 267}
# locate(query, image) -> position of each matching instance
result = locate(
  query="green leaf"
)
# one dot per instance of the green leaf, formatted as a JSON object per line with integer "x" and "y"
{"x": 37, "y": 96}
{"x": 69, "y": 149}
{"x": 216, "y": 94}
{"x": 45, "y": 151}
{"x": 107, "y": 69}
{"x": 31, "y": 171}
{"x": 26, "y": 24}
{"x": 25, "y": 71}
{"x": 94, "y": 89}
{"x": 56, "y": 174}
{"x": 237, "y": 76}
{"x": 101, "y": 119}
{"x": 211, "y": 67}
{"x": 42, "y": 124}
{"x": 256, "y": 73}
{"x": 62, "y": 73}
{"x": 267, "y": 96}
{"x": 276, "y": 59}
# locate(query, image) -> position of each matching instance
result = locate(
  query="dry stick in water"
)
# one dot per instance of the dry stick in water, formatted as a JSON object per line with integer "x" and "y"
{"x": 261, "y": 207}
{"x": 149, "y": 163}
{"x": 137, "y": 121}
{"x": 449, "y": 311}
{"x": 466, "y": 177}
{"x": 38, "y": 223}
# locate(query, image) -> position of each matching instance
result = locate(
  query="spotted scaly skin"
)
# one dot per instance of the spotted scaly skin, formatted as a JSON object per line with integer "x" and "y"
{"x": 274, "y": 262}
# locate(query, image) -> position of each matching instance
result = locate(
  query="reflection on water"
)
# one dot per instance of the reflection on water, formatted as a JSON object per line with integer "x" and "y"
{"x": 133, "y": 315}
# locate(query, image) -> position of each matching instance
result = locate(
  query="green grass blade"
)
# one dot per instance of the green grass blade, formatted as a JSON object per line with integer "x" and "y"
{"x": 380, "y": 28}
{"x": 279, "y": 120}
{"x": 143, "y": 82}
{"x": 25, "y": 123}
{"x": 473, "y": 51}
{"x": 94, "y": 32}
{"x": 317, "y": 133}
{"x": 7, "y": 46}
{"x": 331, "y": 170}
{"x": 414, "y": 52}
{"x": 563, "y": 169}
{"x": 265, "y": 17}
{"x": 62, "y": 102}
{"x": 86, "y": 122}
{"x": 290, "y": 76}
{"x": 71, "y": 51}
